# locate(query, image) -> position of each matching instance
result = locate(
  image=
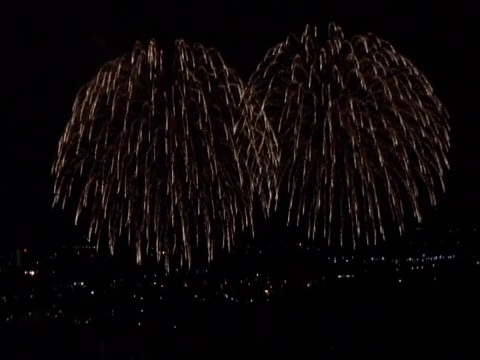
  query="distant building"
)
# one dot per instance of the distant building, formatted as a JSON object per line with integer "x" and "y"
{"x": 19, "y": 258}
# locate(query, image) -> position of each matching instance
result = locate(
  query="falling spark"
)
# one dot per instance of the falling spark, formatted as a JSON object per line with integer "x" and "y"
{"x": 361, "y": 135}
{"x": 162, "y": 154}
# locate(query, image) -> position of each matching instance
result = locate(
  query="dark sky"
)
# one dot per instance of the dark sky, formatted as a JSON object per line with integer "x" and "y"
{"x": 48, "y": 53}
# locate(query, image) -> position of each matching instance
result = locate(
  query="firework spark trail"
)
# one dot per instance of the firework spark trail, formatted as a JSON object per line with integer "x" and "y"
{"x": 164, "y": 155}
{"x": 361, "y": 133}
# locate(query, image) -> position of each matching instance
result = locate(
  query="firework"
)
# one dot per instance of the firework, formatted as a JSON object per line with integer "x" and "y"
{"x": 362, "y": 136}
{"x": 162, "y": 154}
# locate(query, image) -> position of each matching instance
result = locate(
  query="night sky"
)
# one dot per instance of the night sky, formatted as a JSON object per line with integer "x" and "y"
{"x": 49, "y": 53}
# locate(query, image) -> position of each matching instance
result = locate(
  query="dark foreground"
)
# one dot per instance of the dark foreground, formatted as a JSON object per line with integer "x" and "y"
{"x": 370, "y": 317}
